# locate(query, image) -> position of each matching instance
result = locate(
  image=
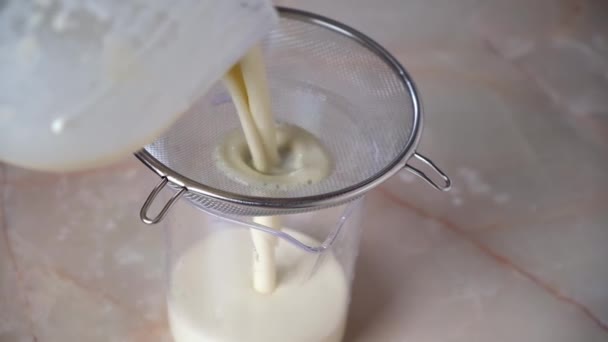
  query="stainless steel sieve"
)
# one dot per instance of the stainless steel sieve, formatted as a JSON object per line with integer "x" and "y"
{"x": 325, "y": 77}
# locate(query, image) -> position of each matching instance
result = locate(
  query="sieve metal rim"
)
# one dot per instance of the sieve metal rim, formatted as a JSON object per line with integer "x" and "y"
{"x": 322, "y": 200}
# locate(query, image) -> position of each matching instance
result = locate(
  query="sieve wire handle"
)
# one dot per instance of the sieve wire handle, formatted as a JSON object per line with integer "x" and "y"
{"x": 143, "y": 213}
{"x": 447, "y": 183}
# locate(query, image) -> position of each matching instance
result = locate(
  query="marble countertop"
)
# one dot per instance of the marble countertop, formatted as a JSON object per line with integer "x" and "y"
{"x": 517, "y": 114}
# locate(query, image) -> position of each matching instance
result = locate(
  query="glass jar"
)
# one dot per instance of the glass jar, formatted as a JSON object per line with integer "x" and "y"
{"x": 212, "y": 265}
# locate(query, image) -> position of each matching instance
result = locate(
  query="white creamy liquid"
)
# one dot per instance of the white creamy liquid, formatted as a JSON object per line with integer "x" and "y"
{"x": 303, "y": 160}
{"x": 263, "y": 153}
{"x": 260, "y": 154}
{"x": 220, "y": 290}
{"x": 212, "y": 300}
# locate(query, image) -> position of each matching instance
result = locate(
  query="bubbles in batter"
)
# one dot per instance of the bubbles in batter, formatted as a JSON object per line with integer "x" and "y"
{"x": 302, "y": 159}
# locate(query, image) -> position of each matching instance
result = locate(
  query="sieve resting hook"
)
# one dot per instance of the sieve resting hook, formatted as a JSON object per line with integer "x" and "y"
{"x": 143, "y": 213}
{"x": 447, "y": 183}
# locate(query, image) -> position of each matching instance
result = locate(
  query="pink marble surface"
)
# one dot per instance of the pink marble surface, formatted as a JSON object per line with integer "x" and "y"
{"x": 516, "y": 113}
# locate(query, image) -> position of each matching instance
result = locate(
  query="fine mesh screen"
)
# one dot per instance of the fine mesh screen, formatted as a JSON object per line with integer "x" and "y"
{"x": 320, "y": 79}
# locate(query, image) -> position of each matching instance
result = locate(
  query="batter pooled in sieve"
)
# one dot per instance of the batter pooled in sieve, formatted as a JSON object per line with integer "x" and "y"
{"x": 302, "y": 159}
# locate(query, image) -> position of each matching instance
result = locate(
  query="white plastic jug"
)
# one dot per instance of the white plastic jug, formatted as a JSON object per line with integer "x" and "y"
{"x": 85, "y": 82}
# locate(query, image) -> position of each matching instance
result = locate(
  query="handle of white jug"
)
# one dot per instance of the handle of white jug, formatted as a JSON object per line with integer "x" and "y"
{"x": 446, "y": 182}
{"x": 143, "y": 213}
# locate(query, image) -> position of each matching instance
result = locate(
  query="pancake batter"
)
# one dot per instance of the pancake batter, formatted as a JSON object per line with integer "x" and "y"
{"x": 217, "y": 293}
